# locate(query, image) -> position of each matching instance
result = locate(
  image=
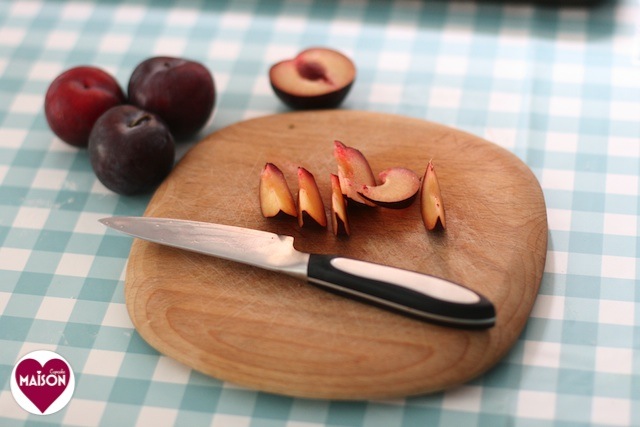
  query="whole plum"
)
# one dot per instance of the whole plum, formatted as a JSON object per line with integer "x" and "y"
{"x": 76, "y": 98}
{"x": 180, "y": 91}
{"x": 131, "y": 150}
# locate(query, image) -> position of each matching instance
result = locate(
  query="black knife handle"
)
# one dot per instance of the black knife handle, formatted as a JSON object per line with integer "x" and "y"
{"x": 418, "y": 295}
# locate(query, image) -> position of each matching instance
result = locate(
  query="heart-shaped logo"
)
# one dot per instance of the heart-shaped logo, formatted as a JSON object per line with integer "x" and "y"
{"x": 42, "y": 384}
{"x": 41, "y": 378}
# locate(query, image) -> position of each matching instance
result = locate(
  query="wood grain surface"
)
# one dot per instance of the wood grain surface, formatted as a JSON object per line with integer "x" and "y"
{"x": 270, "y": 332}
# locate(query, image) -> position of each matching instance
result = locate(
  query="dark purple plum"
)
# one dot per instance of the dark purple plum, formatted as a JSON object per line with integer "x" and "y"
{"x": 131, "y": 150}
{"x": 76, "y": 98}
{"x": 180, "y": 91}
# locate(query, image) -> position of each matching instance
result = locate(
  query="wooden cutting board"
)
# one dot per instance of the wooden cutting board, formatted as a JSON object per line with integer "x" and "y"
{"x": 273, "y": 333}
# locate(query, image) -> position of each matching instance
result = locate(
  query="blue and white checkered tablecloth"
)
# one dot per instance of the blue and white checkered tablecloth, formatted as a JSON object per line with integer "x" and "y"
{"x": 557, "y": 86}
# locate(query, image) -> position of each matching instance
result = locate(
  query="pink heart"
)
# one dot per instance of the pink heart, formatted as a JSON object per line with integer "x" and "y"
{"x": 42, "y": 384}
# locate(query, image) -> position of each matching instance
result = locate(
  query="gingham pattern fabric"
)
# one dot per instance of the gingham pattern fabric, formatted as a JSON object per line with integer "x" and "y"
{"x": 558, "y": 86}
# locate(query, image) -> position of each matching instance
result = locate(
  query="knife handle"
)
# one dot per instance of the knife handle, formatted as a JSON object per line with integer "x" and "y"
{"x": 418, "y": 295}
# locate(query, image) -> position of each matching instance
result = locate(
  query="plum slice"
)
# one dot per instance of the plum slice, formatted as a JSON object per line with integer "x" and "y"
{"x": 431, "y": 205}
{"x": 275, "y": 196}
{"x": 398, "y": 189}
{"x": 354, "y": 171}
{"x": 310, "y": 206}
{"x": 339, "y": 218}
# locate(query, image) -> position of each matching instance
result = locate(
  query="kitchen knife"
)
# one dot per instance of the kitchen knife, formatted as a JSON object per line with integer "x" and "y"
{"x": 408, "y": 292}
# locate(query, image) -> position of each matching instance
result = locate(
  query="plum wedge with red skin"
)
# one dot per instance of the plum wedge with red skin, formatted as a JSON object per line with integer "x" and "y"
{"x": 398, "y": 189}
{"x": 76, "y": 99}
{"x": 431, "y": 204}
{"x": 354, "y": 172}
{"x": 275, "y": 196}
{"x": 339, "y": 217}
{"x": 310, "y": 206}
{"x": 316, "y": 78}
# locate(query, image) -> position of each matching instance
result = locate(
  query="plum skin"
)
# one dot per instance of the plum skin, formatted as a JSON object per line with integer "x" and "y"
{"x": 131, "y": 150}
{"x": 76, "y": 99}
{"x": 180, "y": 91}
{"x": 314, "y": 102}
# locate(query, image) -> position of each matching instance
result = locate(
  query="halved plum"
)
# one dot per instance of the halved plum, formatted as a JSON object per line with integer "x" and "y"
{"x": 316, "y": 78}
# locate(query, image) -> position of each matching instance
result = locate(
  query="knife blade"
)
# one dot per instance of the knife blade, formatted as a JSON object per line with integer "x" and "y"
{"x": 408, "y": 292}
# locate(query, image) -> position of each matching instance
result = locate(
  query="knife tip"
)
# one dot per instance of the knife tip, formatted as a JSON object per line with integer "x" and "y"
{"x": 108, "y": 221}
